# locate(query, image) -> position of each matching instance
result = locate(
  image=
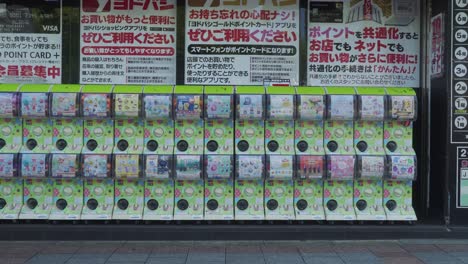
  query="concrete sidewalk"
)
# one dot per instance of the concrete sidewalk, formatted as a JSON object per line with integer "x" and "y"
{"x": 236, "y": 252}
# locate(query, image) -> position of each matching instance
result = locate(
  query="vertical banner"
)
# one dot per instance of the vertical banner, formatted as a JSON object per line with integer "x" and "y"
{"x": 364, "y": 43}
{"x": 437, "y": 45}
{"x": 128, "y": 41}
{"x": 241, "y": 42}
{"x": 30, "y": 41}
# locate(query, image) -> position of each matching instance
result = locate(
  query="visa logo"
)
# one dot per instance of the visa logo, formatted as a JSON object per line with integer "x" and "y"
{"x": 50, "y": 28}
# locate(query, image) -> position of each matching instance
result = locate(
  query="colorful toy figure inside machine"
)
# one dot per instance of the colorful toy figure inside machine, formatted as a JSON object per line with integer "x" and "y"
{"x": 11, "y": 186}
{"x": 249, "y": 187}
{"x": 129, "y": 187}
{"x": 341, "y": 159}
{"x": 189, "y": 188}
{"x": 188, "y": 111}
{"x": 37, "y": 192}
{"x": 401, "y": 157}
{"x": 159, "y": 123}
{"x": 250, "y": 116}
{"x": 310, "y": 154}
{"x": 368, "y": 142}
{"x": 98, "y": 187}
{"x": 159, "y": 188}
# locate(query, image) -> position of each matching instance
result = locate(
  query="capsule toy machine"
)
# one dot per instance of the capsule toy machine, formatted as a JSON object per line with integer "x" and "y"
{"x": 129, "y": 187}
{"x": 279, "y": 127}
{"x": 98, "y": 186}
{"x": 67, "y": 143}
{"x": 279, "y": 187}
{"x": 371, "y": 159}
{"x": 401, "y": 157}
{"x": 340, "y": 154}
{"x": 159, "y": 123}
{"x": 11, "y": 186}
{"x": 11, "y": 126}
{"x": 159, "y": 188}
{"x": 219, "y": 120}
{"x": 189, "y": 127}
{"x": 250, "y": 120}
{"x": 67, "y": 186}
{"x": 37, "y": 126}
{"x": 219, "y": 187}
{"x": 96, "y": 111}
{"x": 189, "y": 187}
{"x": 310, "y": 154}
{"x": 37, "y": 191}
{"x": 249, "y": 187}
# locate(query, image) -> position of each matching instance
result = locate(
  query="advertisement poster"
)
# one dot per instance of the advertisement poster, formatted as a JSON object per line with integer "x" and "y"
{"x": 128, "y": 41}
{"x": 30, "y": 41}
{"x": 243, "y": 42}
{"x": 364, "y": 43}
{"x": 437, "y": 45}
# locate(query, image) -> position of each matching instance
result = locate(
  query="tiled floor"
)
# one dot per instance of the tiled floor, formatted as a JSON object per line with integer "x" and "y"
{"x": 237, "y": 252}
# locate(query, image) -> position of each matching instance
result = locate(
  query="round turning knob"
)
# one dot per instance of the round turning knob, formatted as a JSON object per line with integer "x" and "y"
{"x": 31, "y": 203}
{"x": 182, "y": 145}
{"x": 362, "y": 146}
{"x": 92, "y": 204}
{"x": 61, "y": 204}
{"x": 272, "y": 204}
{"x": 302, "y": 204}
{"x": 212, "y": 145}
{"x": 61, "y": 144}
{"x": 332, "y": 146}
{"x": 2, "y": 143}
{"x": 243, "y": 145}
{"x": 122, "y": 204}
{"x": 122, "y": 145}
{"x": 182, "y": 205}
{"x": 152, "y": 145}
{"x": 92, "y": 144}
{"x": 31, "y": 144}
{"x": 152, "y": 204}
{"x": 332, "y": 205}
{"x": 392, "y": 146}
{"x": 302, "y": 146}
{"x": 361, "y": 205}
{"x": 273, "y": 146}
{"x": 3, "y": 203}
{"x": 242, "y": 204}
{"x": 212, "y": 204}
{"x": 391, "y": 205}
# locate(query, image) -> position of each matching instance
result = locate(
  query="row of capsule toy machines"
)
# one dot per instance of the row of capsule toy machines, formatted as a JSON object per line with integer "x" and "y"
{"x": 162, "y": 153}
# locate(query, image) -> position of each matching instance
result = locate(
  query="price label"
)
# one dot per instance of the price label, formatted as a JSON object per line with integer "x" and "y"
{"x": 461, "y": 103}
{"x": 461, "y": 53}
{"x": 461, "y": 3}
{"x": 461, "y": 18}
{"x": 460, "y": 122}
{"x": 461, "y": 88}
{"x": 460, "y": 70}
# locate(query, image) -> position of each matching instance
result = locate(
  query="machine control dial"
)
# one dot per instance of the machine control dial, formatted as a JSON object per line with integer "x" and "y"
{"x": 152, "y": 145}
{"x": 302, "y": 146}
{"x": 392, "y": 146}
{"x": 122, "y": 204}
{"x": 61, "y": 204}
{"x": 182, "y": 145}
{"x": 3, "y": 203}
{"x": 361, "y": 146}
{"x": 92, "y": 204}
{"x": 243, "y": 145}
{"x": 391, "y": 205}
{"x": 332, "y": 146}
{"x": 2, "y": 143}
{"x": 31, "y": 144}
{"x": 361, "y": 205}
{"x": 152, "y": 204}
{"x": 273, "y": 146}
{"x": 122, "y": 145}
{"x": 302, "y": 204}
{"x": 242, "y": 204}
{"x": 272, "y": 205}
{"x": 61, "y": 144}
{"x": 212, "y": 204}
{"x": 92, "y": 144}
{"x": 332, "y": 205}
{"x": 182, "y": 204}
{"x": 212, "y": 145}
{"x": 31, "y": 203}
